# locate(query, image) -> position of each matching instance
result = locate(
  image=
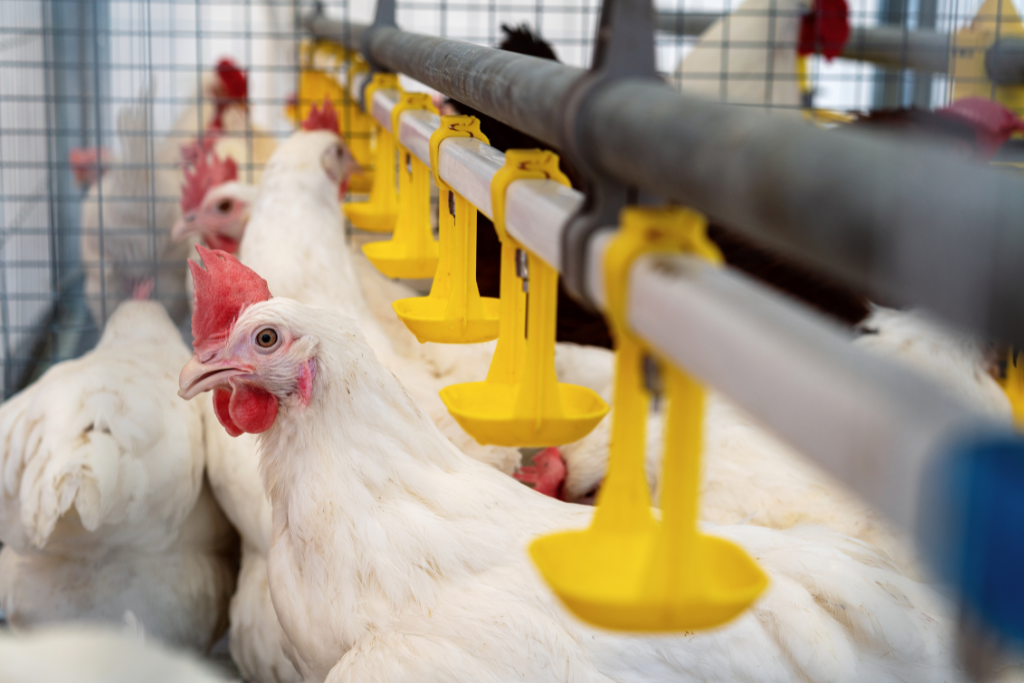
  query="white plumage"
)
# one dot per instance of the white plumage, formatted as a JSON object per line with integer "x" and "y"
{"x": 295, "y": 236}
{"x": 396, "y": 557}
{"x": 91, "y": 655}
{"x": 103, "y": 505}
{"x": 748, "y": 58}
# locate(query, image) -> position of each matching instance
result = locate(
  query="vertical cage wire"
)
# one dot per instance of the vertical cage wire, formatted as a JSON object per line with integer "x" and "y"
{"x": 68, "y": 68}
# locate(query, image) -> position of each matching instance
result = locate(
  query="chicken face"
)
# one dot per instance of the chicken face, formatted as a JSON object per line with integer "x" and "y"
{"x": 335, "y": 159}
{"x": 220, "y": 219}
{"x": 339, "y": 164}
{"x": 261, "y": 363}
{"x": 245, "y": 352}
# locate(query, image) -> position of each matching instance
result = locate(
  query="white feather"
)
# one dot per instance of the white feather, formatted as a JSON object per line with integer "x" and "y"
{"x": 103, "y": 507}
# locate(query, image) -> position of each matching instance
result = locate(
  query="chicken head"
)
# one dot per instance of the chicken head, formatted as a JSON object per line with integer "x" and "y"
{"x": 249, "y": 361}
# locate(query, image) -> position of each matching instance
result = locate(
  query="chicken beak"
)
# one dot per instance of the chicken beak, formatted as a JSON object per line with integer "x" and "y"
{"x": 184, "y": 227}
{"x": 197, "y": 377}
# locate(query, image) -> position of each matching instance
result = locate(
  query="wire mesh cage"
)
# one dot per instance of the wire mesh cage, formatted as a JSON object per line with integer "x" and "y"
{"x": 115, "y": 89}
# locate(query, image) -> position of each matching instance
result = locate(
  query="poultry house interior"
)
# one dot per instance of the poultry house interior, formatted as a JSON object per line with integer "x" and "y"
{"x": 609, "y": 340}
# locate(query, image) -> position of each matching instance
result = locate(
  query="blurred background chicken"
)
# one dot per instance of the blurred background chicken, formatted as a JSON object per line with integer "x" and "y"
{"x": 105, "y": 514}
{"x": 73, "y": 654}
{"x": 750, "y": 57}
{"x": 128, "y": 214}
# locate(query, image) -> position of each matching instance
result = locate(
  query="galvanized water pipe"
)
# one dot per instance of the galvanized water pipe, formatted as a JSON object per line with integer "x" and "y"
{"x": 905, "y": 221}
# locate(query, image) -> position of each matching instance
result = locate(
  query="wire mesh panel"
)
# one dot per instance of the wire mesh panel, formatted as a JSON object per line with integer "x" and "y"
{"x": 98, "y": 98}
{"x": 28, "y": 261}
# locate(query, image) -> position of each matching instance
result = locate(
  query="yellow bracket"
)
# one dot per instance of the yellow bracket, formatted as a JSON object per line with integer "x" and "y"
{"x": 819, "y": 117}
{"x": 314, "y": 87}
{"x": 358, "y": 128}
{"x": 1013, "y": 386}
{"x": 995, "y": 19}
{"x": 411, "y": 252}
{"x": 381, "y": 211}
{"x": 453, "y": 312}
{"x": 630, "y": 571}
{"x": 521, "y": 403}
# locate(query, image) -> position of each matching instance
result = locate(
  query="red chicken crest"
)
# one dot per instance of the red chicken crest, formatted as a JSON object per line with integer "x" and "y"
{"x": 826, "y": 29}
{"x": 322, "y": 119}
{"x": 208, "y": 172}
{"x": 222, "y": 291}
{"x": 236, "y": 85}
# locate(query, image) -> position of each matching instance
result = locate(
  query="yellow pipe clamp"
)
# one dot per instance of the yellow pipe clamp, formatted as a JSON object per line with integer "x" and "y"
{"x": 381, "y": 211}
{"x": 412, "y": 251}
{"x": 521, "y": 403}
{"x": 453, "y": 312}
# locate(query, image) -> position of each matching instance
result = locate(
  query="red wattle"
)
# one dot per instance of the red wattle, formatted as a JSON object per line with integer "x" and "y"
{"x": 252, "y": 409}
{"x": 221, "y": 402}
{"x": 222, "y": 243}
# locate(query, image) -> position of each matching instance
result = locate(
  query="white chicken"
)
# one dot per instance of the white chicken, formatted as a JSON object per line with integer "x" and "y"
{"x": 214, "y": 205}
{"x": 396, "y": 557}
{"x": 104, "y": 509}
{"x": 295, "y": 235}
{"x": 750, "y": 56}
{"x": 92, "y": 655}
{"x": 127, "y": 216}
{"x": 249, "y": 145}
{"x": 751, "y": 476}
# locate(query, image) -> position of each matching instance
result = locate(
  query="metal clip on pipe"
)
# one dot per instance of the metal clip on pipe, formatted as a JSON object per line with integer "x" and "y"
{"x": 624, "y": 48}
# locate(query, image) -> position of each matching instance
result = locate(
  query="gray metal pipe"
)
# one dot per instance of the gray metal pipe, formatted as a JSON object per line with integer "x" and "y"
{"x": 893, "y": 47}
{"x": 883, "y": 45}
{"x": 907, "y": 222}
{"x": 889, "y": 46}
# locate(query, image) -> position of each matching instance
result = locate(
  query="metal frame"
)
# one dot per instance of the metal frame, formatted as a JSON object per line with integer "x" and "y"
{"x": 906, "y": 222}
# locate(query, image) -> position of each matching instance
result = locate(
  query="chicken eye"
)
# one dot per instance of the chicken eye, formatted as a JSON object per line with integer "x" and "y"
{"x": 266, "y": 338}
{"x": 224, "y": 206}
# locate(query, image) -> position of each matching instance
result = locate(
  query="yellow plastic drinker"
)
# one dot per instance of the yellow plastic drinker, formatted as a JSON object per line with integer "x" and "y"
{"x": 629, "y": 571}
{"x": 521, "y": 403}
{"x": 1013, "y": 385}
{"x": 314, "y": 87}
{"x": 994, "y": 20}
{"x": 412, "y": 251}
{"x": 381, "y": 211}
{"x": 357, "y": 129}
{"x": 453, "y": 312}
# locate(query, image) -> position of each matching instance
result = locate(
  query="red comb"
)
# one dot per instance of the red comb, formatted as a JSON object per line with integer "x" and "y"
{"x": 827, "y": 27}
{"x": 322, "y": 119}
{"x": 193, "y": 151}
{"x": 236, "y": 86}
{"x": 222, "y": 292}
{"x": 992, "y": 122}
{"x": 208, "y": 172}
